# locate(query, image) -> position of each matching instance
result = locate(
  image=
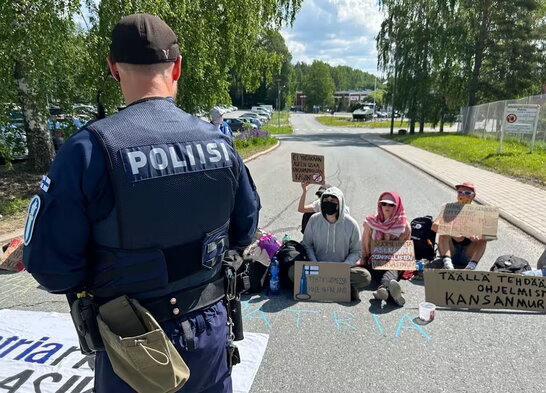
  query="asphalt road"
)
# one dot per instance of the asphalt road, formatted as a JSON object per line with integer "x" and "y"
{"x": 361, "y": 347}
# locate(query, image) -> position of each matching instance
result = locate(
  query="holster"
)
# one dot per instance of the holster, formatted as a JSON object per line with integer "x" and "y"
{"x": 84, "y": 311}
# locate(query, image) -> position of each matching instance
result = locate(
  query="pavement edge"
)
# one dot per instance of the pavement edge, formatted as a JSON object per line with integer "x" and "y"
{"x": 528, "y": 229}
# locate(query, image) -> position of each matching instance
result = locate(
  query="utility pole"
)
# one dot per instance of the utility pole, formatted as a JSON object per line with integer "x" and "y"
{"x": 279, "y": 103}
{"x": 394, "y": 91}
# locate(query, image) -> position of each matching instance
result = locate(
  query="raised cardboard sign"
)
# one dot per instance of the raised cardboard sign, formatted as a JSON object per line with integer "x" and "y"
{"x": 458, "y": 219}
{"x": 472, "y": 289}
{"x": 322, "y": 281}
{"x": 392, "y": 255}
{"x": 308, "y": 168}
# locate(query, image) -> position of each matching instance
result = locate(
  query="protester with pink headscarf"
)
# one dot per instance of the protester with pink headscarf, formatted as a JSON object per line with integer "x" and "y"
{"x": 390, "y": 223}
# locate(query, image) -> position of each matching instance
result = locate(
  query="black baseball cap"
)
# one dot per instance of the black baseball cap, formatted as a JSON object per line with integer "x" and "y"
{"x": 321, "y": 189}
{"x": 143, "y": 39}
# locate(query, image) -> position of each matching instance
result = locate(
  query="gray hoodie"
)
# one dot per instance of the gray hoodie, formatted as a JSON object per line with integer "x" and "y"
{"x": 337, "y": 242}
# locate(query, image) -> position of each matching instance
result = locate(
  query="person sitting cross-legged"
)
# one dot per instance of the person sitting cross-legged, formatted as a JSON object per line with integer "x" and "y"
{"x": 332, "y": 235}
{"x": 459, "y": 252}
{"x": 390, "y": 223}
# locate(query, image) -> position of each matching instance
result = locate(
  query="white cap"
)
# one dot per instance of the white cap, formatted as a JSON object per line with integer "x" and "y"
{"x": 216, "y": 112}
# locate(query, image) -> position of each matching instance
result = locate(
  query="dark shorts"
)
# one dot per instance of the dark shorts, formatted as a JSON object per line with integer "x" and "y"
{"x": 459, "y": 257}
{"x": 207, "y": 363}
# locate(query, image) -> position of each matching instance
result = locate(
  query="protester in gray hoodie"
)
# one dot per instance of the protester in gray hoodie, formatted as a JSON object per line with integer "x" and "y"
{"x": 332, "y": 235}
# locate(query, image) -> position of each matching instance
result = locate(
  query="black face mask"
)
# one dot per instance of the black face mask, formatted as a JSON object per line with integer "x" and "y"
{"x": 328, "y": 207}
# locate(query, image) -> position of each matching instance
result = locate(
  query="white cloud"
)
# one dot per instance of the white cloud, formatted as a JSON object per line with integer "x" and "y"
{"x": 339, "y": 32}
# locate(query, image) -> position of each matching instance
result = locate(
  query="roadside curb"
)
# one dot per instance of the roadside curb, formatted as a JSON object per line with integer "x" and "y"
{"x": 6, "y": 237}
{"x": 253, "y": 157}
{"x": 528, "y": 229}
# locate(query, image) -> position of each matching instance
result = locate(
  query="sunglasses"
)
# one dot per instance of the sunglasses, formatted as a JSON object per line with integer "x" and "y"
{"x": 388, "y": 204}
{"x": 467, "y": 193}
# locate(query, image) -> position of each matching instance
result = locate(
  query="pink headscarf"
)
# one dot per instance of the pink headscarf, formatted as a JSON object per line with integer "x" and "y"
{"x": 395, "y": 225}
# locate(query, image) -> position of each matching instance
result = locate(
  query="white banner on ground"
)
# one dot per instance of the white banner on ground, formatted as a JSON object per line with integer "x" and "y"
{"x": 39, "y": 352}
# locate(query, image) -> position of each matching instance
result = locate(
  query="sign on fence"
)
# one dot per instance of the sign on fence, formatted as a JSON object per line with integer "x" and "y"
{"x": 457, "y": 219}
{"x": 474, "y": 289}
{"x": 520, "y": 119}
{"x": 308, "y": 168}
{"x": 392, "y": 255}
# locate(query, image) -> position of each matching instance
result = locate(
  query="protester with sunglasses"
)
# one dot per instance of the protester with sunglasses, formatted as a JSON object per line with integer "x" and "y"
{"x": 390, "y": 223}
{"x": 460, "y": 252}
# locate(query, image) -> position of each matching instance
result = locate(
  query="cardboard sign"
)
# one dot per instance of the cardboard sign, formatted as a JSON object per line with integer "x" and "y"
{"x": 458, "y": 219}
{"x": 12, "y": 259}
{"x": 472, "y": 289}
{"x": 308, "y": 168}
{"x": 322, "y": 281}
{"x": 392, "y": 255}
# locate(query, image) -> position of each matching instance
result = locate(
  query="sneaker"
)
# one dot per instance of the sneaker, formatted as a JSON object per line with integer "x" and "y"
{"x": 448, "y": 264}
{"x": 471, "y": 265}
{"x": 396, "y": 292}
{"x": 381, "y": 294}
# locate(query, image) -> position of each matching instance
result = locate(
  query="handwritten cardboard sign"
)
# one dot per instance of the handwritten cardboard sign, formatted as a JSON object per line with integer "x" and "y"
{"x": 392, "y": 255}
{"x": 458, "y": 219}
{"x": 322, "y": 281}
{"x": 308, "y": 168}
{"x": 472, "y": 289}
{"x": 13, "y": 257}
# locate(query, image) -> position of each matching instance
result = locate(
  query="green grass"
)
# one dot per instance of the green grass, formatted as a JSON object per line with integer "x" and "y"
{"x": 345, "y": 122}
{"x": 514, "y": 160}
{"x": 256, "y": 145}
{"x": 14, "y": 206}
{"x": 279, "y": 124}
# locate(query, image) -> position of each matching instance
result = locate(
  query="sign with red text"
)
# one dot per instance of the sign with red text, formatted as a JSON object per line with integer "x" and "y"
{"x": 392, "y": 255}
{"x": 475, "y": 290}
{"x": 458, "y": 219}
{"x": 308, "y": 168}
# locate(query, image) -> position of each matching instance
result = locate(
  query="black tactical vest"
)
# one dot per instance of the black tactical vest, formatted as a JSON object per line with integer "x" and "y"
{"x": 174, "y": 179}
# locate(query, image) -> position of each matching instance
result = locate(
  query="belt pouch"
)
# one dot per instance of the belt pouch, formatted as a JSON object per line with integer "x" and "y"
{"x": 140, "y": 352}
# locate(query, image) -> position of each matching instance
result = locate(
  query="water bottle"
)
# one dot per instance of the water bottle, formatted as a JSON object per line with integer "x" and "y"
{"x": 419, "y": 265}
{"x": 286, "y": 238}
{"x": 274, "y": 285}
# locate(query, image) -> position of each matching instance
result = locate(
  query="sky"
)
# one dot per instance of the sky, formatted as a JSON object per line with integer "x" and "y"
{"x": 338, "y": 32}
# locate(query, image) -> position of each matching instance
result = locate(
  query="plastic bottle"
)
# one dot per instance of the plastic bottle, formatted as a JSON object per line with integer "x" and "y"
{"x": 286, "y": 238}
{"x": 419, "y": 265}
{"x": 274, "y": 285}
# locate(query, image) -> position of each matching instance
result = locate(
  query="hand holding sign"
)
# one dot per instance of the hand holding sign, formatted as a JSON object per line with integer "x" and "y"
{"x": 307, "y": 168}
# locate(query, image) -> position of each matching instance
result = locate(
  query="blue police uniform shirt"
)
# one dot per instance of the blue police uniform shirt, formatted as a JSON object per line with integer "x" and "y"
{"x": 80, "y": 194}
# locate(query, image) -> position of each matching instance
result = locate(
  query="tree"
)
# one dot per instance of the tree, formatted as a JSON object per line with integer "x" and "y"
{"x": 37, "y": 42}
{"x": 319, "y": 86}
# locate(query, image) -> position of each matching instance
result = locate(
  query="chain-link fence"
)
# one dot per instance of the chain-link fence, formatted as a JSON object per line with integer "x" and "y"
{"x": 485, "y": 121}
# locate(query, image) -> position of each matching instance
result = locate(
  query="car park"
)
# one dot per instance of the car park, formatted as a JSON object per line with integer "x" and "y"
{"x": 263, "y": 119}
{"x": 238, "y": 124}
{"x": 251, "y": 120}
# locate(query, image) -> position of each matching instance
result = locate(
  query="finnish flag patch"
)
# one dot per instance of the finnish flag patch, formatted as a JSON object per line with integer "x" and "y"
{"x": 33, "y": 210}
{"x": 45, "y": 184}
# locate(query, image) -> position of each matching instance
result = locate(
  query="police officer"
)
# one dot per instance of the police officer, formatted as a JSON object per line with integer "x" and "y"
{"x": 145, "y": 203}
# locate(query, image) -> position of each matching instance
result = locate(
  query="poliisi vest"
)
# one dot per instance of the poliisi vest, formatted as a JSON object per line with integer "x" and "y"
{"x": 174, "y": 179}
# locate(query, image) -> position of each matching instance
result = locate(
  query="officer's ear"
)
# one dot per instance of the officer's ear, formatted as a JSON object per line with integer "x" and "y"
{"x": 113, "y": 69}
{"x": 177, "y": 68}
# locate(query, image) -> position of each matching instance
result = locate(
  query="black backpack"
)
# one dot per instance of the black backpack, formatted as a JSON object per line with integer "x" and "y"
{"x": 510, "y": 264}
{"x": 423, "y": 237}
{"x": 257, "y": 274}
{"x": 287, "y": 254}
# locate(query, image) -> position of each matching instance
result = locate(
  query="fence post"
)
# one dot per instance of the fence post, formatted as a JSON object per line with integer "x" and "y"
{"x": 535, "y": 130}
{"x": 502, "y": 129}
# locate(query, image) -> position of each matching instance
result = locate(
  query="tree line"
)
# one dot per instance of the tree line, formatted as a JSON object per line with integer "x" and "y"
{"x": 441, "y": 55}
{"x": 52, "y": 52}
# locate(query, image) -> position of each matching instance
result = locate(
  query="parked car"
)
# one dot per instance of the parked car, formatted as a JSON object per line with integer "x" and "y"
{"x": 238, "y": 124}
{"x": 251, "y": 120}
{"x": 263, "y": 119}
{"x": 263, "y": 112}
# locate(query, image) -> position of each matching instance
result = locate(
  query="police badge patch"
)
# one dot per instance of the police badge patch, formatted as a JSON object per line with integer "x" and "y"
{"x": 33, "y": 209}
